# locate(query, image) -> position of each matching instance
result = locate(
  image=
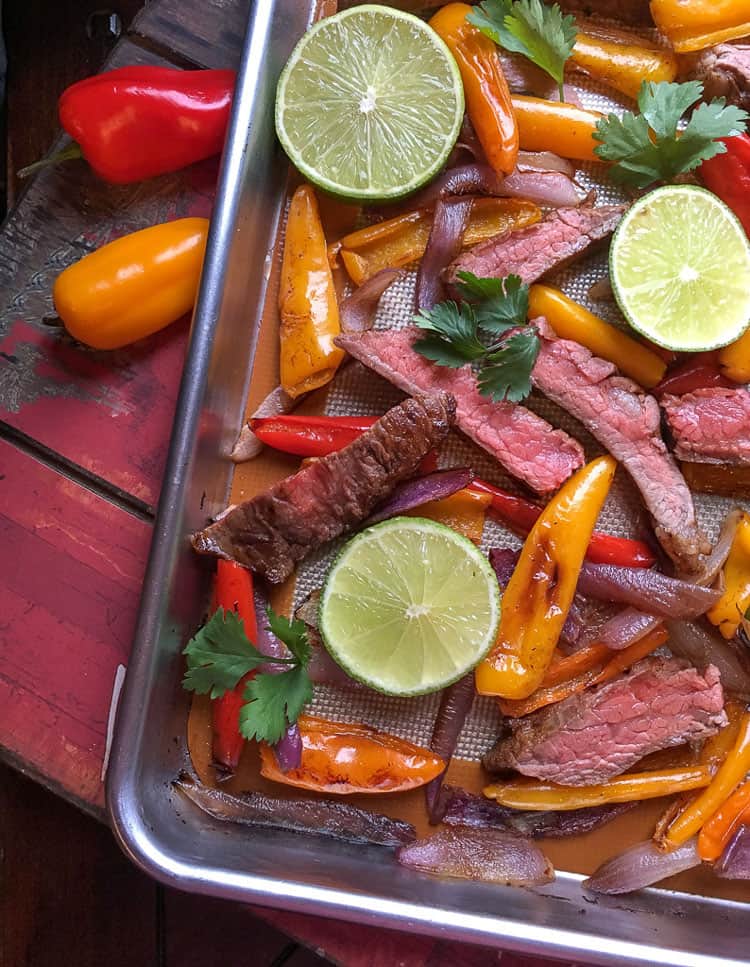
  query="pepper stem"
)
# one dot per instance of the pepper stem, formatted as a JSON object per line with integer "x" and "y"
{"x": 72, "y": 151}
{"x": 562, "y": 91}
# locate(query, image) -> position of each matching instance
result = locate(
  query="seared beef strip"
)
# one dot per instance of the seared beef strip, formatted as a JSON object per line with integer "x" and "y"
{"x": 525, "y": 444}
{"x": 710, "y": 425}
{"x": 531, "y": 253}
{"x": 725, "y": 72}
{"x": 274, "y": 530}
{"x": 626, "y": 11}
{"x": 626, "y": 421}
{"x": 597, "y": 734}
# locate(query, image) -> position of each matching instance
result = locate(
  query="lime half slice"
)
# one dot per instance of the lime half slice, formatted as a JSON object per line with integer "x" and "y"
{"x": 369, "y": 104}
{"x": 409, "y": 606}
{"x": 680, "y": 269}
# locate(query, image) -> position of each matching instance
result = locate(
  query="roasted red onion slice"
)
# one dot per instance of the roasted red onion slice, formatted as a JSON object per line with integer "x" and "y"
{"x": 734, "y": 862}
{"x": 702, "y": 645}
{"x": 468, "y": 179}
{"x": 358, "y": 310}
{"x": 455, "y": 705}
{"x": 626, "y": 628}
{"x": 503, "y": 560}
{"x": 650, "y": 591}
{"x": 288, "y": 750}
{"x": 490, "y": 855}
{"x": 523, "y": 77}
{"x": 322, "y": 817}
{"x": 322, "y": 669}
{"x": 544, "y": 161}
{"x": 642, "y": 865}
{"x": 414, "y": 493}
{"x": 446, "y": 236}
{"x": 718, "y": 556}
{"x": 551, "y": 189}
{"x": 277, "y": 402}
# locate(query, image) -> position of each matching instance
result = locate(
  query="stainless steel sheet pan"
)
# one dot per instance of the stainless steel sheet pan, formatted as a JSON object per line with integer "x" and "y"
{"x": 185, "y": 849}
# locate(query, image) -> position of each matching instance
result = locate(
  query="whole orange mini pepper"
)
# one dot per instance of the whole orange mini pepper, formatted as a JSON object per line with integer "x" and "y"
{"x": 343, "y": 758}
{"x": 541, "y": 589}
{"x": 308, "y": 309}
{"x": 694, "y": 24}
{"x": 488, "y": 101}
{"x": 134, "y": 286}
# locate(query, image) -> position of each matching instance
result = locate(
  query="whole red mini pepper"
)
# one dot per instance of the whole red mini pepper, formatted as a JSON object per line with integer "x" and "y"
{"x": 233, "y": 592}
{"x": 728, "y": 176}
{"x": 697, "y": 372}
{"x": 134, "y": 123}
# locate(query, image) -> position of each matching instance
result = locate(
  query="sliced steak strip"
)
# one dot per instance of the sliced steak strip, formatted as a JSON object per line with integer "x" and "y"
{"x": 725, "y": 72}
{"x": 710, "y": 425}
{"x": 525, "y": 444}
{"x": 595, "y": 735}
{"x": 626, "y": 421}
{"x": 274, "y": 530}
{"x": 564, "y": 235}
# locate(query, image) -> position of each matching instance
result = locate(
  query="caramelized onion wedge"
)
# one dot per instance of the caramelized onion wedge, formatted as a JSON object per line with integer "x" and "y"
{"x": 248, "y": 446}
{"x": 702, "y": 645}
{"x": 414, "y": 493}
{"x": 734, "y": 862}
{"x": 358, "y": 310}
{"x": 455, "y": 705}
{"x": 642, "y": 865}
{"x": 649, "y": 591}
{"x": 322, "y": 817}
{"x": 449, "y": 224}
{"x": 490, "y": 855}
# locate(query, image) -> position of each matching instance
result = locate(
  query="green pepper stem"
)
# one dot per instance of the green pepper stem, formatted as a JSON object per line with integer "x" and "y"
{"x": 72, "y": 151}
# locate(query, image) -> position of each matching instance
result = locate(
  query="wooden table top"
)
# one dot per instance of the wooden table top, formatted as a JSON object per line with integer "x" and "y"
{"x": 83, "y": 437}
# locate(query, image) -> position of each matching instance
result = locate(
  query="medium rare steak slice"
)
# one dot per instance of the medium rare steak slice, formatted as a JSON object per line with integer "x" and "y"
{"x": 564, "y": 235}
{"x": 274, "y": 530}
{"x": 594, "y": 735}
{"x": 626, "y": 421}
{"x": 525, "y": 444}
{"x": 725, "y": 72}
{"x": 710, "y": 425}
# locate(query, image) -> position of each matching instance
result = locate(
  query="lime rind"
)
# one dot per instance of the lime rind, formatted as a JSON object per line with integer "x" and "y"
{"x": 680, "y": 269}
{"x": 376, "y": 126}
{"x": 416, "y": 564}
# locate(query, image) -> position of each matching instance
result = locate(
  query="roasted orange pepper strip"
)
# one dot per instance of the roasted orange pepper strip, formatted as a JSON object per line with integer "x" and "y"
{"x": 343, "y": 758}
{"x": 401, "y": 240}
{"x": 541, "y": 589}
{"x": 718, "y": 831}
{"x": 134, "y": 286}
{"x": 695, "y": 24}
{"x": 571, "y": 321}
{"x": 308, "y": 311}
{"x": 734, "y": 359}
{"x": 624, "y": 66}
{"x": 734, "y": 602}
{"x": 488, "y": 101}
{"x": 463, "y": 511}
{"x": 634, "y": 786}
{"x": 731, "y": 772}
{"x": 556, "y": 126}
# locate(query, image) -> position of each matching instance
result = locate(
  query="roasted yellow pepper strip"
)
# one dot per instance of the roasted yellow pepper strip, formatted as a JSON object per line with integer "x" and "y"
{"x": 734, "y": 602}
{"x": 463, "y": 511}
{"x": 541, "y": 589}
{"x": 695, "y": 24}
{"x": 401, "y": 240}
{"x": 308, "y": 310}
{"x": 731, "y": 773}
{"x": 488, "y": 101}
{"x": 634, "y": 786}
{"x": 734, "y": 359}
{"x": 556, "y": 126}
{"x": 622, "y": 65}
{"x": 572, "y": 321}
{"x": 134, "y": 286}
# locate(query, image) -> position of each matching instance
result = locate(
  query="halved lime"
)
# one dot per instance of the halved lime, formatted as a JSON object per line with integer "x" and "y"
{"x": 369, "y": 104}
{"x": 680, "y": 269}
{"x": 409, "y": 606}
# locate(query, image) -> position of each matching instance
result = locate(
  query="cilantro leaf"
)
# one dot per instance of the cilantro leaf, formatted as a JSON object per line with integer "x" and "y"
{"x": 504, "y": 303}
{"x": 219, "y": 655}
{"x": 292, "y": 633}
{"x": 650, "y": 147}
{"x": 272, "y": 702}
{"x": 452, "y": 339}
{"x": 507, "y": 372}
{"x": 531, "y": 28}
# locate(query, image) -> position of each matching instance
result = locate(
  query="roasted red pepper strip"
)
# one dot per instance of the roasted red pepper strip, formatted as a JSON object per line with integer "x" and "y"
{"x": 728, "y": 176}
{"x": 698, "y": 372}
{"x": 521, "y": 514}
{"x": 137, "y": 122}
{"x": 233, "y": 592}
{"x": 310, "y": 436}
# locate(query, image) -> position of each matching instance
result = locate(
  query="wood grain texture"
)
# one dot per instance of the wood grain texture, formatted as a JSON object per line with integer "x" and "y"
{"x": 209, "y": 34}
{"x": 70, "y": 577}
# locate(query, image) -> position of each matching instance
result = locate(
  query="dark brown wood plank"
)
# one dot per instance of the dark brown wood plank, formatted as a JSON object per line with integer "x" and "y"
{"x": 209, "y": 33}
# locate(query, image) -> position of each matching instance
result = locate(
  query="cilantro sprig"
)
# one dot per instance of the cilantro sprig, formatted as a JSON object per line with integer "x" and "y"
{"x": 458, "y": 333}
{"x": 650, "y": 146}
{"x": 541, "y": 33}
{"x": 221, "y": 654}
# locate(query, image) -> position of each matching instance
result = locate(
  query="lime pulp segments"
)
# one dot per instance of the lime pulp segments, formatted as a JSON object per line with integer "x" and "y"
{"x": 680, "y": 269}
{"x": 369, "y": 104}
{"x": 409, "y": 606}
